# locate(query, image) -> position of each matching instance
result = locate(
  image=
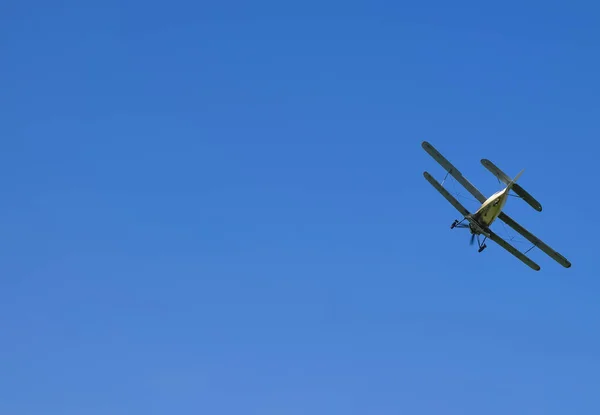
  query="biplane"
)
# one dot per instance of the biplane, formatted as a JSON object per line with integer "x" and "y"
{"x": 479, "y": 222}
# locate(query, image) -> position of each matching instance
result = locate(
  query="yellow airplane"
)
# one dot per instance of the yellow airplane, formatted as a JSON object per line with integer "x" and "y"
{"x": 491, "y": 209}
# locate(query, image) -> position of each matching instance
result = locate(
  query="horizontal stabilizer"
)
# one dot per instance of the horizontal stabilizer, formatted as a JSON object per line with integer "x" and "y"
{"x": 503, "y": 177}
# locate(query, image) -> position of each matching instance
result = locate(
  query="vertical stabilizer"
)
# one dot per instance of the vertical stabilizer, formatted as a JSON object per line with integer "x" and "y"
{"x": 513, "y": 181}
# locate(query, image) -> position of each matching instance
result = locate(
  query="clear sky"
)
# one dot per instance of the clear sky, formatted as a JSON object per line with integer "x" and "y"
{"x": 219, "y": 208}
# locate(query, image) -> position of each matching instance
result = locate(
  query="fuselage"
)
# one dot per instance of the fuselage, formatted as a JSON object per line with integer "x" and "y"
{"x": 489, "y": 210}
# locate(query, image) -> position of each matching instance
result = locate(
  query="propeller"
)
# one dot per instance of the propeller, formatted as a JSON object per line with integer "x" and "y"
{"x": 472, "y": 239}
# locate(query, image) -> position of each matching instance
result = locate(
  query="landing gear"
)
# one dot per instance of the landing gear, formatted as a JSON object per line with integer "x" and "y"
{"x": 459, "y": 224}
{"x": 474, "y": 233}
{"x": 481, "y": 244}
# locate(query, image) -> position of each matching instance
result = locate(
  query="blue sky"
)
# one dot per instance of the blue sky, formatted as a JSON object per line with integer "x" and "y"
{"x": 221, "y": 209}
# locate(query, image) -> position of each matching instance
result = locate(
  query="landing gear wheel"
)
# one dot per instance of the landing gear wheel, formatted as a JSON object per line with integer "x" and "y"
{"x": 482, "y": 247}
{"x": 454, "y": 224}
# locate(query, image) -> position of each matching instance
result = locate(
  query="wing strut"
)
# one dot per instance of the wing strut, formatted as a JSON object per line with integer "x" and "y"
{"x": 437, "y": 156}
{"x": 494, "y": 237}
{"x": 457, "y": 205}
{"x": 535, "y": 240}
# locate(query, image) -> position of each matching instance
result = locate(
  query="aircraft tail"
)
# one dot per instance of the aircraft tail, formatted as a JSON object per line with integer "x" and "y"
{"x": 513, "y": 181}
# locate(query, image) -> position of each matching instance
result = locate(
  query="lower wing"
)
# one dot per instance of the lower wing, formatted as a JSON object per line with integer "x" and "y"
{"x": 494, "y": 237}
{"x": 446, "y": 194}
{"x": 535, "y": 240}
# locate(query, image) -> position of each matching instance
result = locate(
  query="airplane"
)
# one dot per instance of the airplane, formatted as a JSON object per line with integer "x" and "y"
{"x": 479, "y": 222}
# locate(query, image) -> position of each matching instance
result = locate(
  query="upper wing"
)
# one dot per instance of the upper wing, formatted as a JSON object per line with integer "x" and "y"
{"x": 516, "y": 187}
{"x": 494, "y": 237}
{"x": 535, "y": 240}
{"x": 447, "y": 195}
{"x": 453, "y": 171}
